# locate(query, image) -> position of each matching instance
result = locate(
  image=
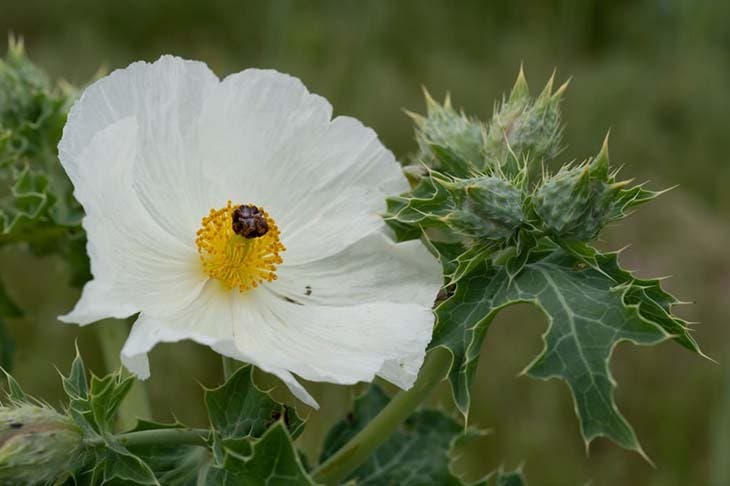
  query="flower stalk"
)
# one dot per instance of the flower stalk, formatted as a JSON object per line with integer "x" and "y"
{"x": 354, "y": 453}
{"x": 111, "y": 339}
{"x": 158, "y": 437}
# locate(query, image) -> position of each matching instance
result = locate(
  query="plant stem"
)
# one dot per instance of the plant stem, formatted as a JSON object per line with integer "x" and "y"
{"x": 111, "y": 334}
{"x": 360, "y": 447}
{"x": 154, "y": 437}
{"x": 230, "y": 365}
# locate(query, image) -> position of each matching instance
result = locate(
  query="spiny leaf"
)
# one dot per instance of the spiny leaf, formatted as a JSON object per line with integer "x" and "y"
{"x": 115, "y": 461}
{"x": 270, "y": 459}
{"x": 27, "y": 199}
{"x": 15, "y": 393}
{"x": 75, "y": 384}
{"x": 501, "y": 477}
{"x": 94, "y": 405}
{"x": 105, "y": 397}
{"x": 589, "y": 312}
{"x": 173, "y": 465}
{"x": 425, "y": 206}
{"x": 419, "y": 452}
{"x": 238, "y": 410}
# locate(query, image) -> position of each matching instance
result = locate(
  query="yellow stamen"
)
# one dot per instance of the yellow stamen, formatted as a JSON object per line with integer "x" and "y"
{"x": 236, "y": 261}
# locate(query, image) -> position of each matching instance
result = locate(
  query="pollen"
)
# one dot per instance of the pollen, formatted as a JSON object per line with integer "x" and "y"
{"x": 239, "y": 245}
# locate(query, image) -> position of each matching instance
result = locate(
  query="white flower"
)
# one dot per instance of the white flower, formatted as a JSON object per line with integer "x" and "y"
{"x": 164, "y": 157}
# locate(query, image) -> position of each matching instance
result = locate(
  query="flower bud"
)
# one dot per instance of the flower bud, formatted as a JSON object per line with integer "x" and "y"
{"x": 31, "y": 109}
{"x": 445, "y": 127}
{"x": 486, "y": 208}
{"x": 37, "y": 445}
{"x": 577, "y": 202}
{"x": 524, "y": 126}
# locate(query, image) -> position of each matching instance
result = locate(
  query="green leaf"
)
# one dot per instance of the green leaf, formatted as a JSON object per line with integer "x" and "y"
{"x": 115, "y": 461}
{"x": 420, "y": 208}
{"x": 94, "y": 405}
{"x": 252, "y": 441}
{"x": 503, "y": 478}
{"x": 27, "y": 199}
{"x": 173, "y": 465}
{"x": 105, "y": 397}
{"x": 589, "y": 312}
{"x": 15, "y": 393}
{"x": 75, "y": 384}
{"x": 271, "y": 459}
{"x": 239, "y": 410}
{"x": 419, "y": 452}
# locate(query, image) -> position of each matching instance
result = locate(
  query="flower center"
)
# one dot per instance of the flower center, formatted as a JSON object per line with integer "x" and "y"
{"x": 239, "y": 245}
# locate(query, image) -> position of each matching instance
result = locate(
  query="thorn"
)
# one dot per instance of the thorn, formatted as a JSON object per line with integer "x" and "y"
{"x": 604, "y": 147}
{"x": 430, "y": 102}
{"x": 520, "y": 88}
{"x": 559, "y": 92}
{"x": 447, "y": 101}
{"x": 417, "y": 118}
{"x": 643, "y": 454}
{"x": 659, "y": 193}
{"x": 16, "y": 44}
{"x": 545, "y": 94}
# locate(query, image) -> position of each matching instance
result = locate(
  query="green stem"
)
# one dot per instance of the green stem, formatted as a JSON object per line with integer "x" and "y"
{"x": 230, "y": 365}
{"x": 112, "y": 334}
{"x": 159, "y": 437}
{"x": 360, "y": 447}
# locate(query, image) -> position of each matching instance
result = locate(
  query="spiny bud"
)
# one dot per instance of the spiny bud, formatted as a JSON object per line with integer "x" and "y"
{"x": 455, "y": 131}
{"x": 37, "y": 445}
{"x": 524, "y": 126}
{"x": 485, "y": 208}
{"x": 31, "y": 110}
{"x": 577, "y": 202}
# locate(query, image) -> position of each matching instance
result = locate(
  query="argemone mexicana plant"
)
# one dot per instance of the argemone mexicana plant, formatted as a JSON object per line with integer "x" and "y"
{"x": 239, "y": 214}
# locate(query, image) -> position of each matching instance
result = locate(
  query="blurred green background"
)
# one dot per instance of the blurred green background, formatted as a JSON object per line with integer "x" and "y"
{"x": 657, "y": 72}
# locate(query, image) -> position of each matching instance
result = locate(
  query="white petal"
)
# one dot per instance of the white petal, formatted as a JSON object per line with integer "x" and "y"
{"x": 373, "y": 269}
{"x": 99, "y": 301}
{"x": 335, "y": 344}
{"x": 272, "y": 143}
{"x": 403, "y": 372}
{"x": 165, "y": 97}
{"x": 145, "y": 334}
{"x": 136, "y": 264}
{"x": 208, "y": 321}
